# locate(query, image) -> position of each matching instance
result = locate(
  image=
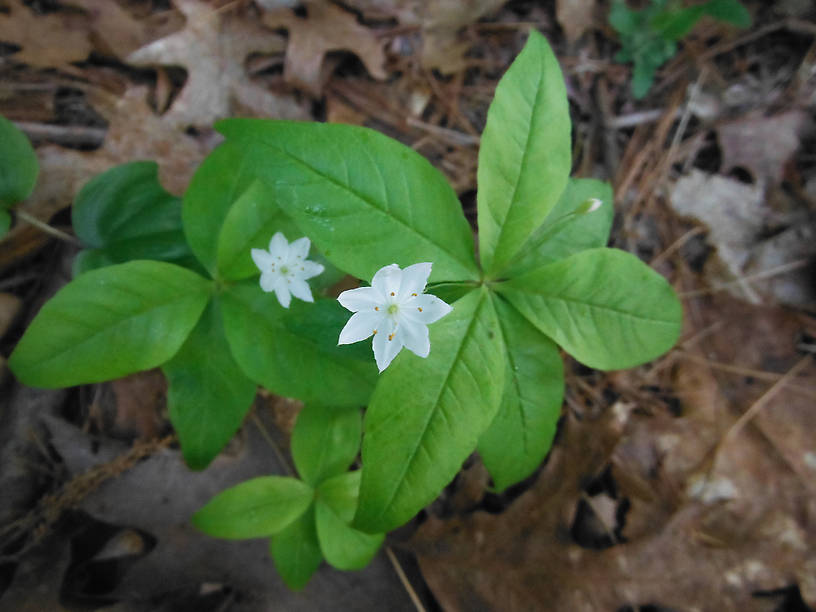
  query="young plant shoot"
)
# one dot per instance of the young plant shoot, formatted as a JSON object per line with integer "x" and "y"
{"x": 482, "y": 370}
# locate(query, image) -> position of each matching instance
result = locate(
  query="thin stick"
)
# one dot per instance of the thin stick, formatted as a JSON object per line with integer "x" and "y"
{"x": 64, "y": 134}
{"x": 763, "y": 400}
{"x": 404, "y": 580}
{"x": 783, "y": 269}
{"x": 31, "y": 220}
{"x": 675, "y": 246}
{"x": 271, "y": 441}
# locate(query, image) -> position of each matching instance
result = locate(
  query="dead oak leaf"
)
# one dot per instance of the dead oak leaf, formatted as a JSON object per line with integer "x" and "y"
{"x": 45, "y": 41}
{"x": 327, "y": 28}
{"x": 213, "y": 47}
{"x": 575, "y": 17}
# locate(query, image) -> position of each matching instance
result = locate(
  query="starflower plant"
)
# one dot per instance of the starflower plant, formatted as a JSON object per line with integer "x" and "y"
{"x": 285, "y": 269}
{"x": 481, "y": 374}
{"x": 395, "y": 310}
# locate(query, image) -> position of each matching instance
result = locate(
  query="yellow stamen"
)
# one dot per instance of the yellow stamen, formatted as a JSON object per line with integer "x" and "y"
{"x": 376, "y": 308}
{"x": 375, "y": 332}
{"x": 419, "y": 308}
{"x": 413, "y": 294}
{"x": 392, "y": 293}
{"x": 390, "y": 336}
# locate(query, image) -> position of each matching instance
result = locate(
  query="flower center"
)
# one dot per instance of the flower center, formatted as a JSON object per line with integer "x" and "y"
{"x": 393, "y": 309}
{"x": 284, "y": 270}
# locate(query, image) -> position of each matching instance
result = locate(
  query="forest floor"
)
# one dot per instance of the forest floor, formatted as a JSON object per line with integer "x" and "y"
{"x": 685, "y": 484}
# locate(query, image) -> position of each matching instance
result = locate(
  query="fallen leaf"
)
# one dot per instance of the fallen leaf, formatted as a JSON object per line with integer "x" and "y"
{"x": 737, "y": 216}
{"x": 46, "y": 41}
{"x": 213, "y": 46}
{"x": 440, "y": 22}
{"x": 762, "y": 145}
{"x": 116, "y": 29}
{"x": 130, "y": 407}
{"x": 326, "y": 28}
{"x": 575, "y": 17}
{"x": 10, "y": 306}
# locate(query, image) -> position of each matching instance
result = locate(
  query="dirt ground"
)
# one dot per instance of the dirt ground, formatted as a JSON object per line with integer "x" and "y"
{"x": 685, "y": 484}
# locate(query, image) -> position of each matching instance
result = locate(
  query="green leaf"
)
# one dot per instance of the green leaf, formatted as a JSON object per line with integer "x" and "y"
{"x": 5, "y": 222}
{"x": 294, "y": 351}
{"x": 296, "y": 550}
{"x": 91, "y": 259}
{"x": 675, "y": 24}
{"x": 426, "y": 415}
{"x": 364, "y": 199}
{"x": 566, "y": 232}
{"x": 109, "y": 323}
{"x": 730, "y": 11}
{"x": 325, "y": 441}
{"x": 343, "y": 546}
{"x": 250, "y": 223}
{"x": 255, "y": 508}
{"x": 18, "y": 165}
{"x": 125, "y": 214}
{"x": 605, "y": 307}
{"x": 525, "y": 155}
{"x": 208, "y": 394}
{"x": 217, "y": 184}
{"x": 522, "y": 432}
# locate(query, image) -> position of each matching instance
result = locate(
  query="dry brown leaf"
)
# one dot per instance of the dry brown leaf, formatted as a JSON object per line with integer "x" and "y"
{"x": 440, "y": 22}
{"x": 213, "y": 47}
{"x": 575, "y": 16}
{"x": 10, "y": 306}
{"x": 737, "y": 216}
{"x": 326, "y": 28}
{"x": 117, "y": 31}
{"x": 135, "y": 133}
{"x": 46, "y": 41}
{"x": 762, "y": 145}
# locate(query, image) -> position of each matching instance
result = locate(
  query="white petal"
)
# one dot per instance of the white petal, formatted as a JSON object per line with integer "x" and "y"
{"x": 279, "y": 247}
{"x": 362, "y": 298}
{"x": 300, "y": 289}
{"x": 268, "y": 280}
{"x": 415, "y": 337}
{"x": 414, "y": 279}
{"x": 387, "y": 280}
{"x": 359, "y": 327}
{"x": 262, "y": 259}
{"x": 282, "y": 292}
{"x": 387, "y": 343}
{"x": 299, "y": 249}
{"x": 308, "y": 269}
{"x": 425, "y": 308}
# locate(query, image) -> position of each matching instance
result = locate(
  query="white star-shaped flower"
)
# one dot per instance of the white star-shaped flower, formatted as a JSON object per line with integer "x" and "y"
{"x": 285, "y": 269}
{"x": 395, "y": 311}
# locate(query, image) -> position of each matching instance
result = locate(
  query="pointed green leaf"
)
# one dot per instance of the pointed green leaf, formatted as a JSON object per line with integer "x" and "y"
{"x": 343, "y": 546}
{"x": 125, "y": 214}
{"x": 18, "y": 165}
{"x": 109, "y": 323}
{"x": 364, "y": 199}
{"x": 296, "y": 550}
{"x": 605, "y": 307}
{"x": 250, "y": 223}
{"x": 426, "y": 415}
{"x": 325, "y": 441}
{"x": 255, "y": 508}
{"x": 217, "y": 184}
{"x": 294, "y": 351}
{"x": 730, "y": 11}
{"x": 208, "y": 394}
{"x": 566, "y": 232}
{"x": 525, "y": 155}
{"x": 522, "y": 432}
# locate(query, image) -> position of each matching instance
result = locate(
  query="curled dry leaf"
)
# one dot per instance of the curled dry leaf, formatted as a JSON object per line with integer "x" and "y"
{"x": 117, "y": 31}
{"x": 45, "y": 41}
{"x": 213, "y": 46}
{"x": 737, "y": 215}
{"x": 762, "y": 145}
{"x": 326, "y": 28}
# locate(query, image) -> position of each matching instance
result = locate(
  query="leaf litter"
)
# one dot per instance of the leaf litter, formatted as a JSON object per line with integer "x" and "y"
{"x": 685, "y": 484}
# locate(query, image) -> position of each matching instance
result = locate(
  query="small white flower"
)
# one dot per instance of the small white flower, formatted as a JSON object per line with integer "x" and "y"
{"x": 395, "y": 311}
{"x": 284, "y": 269}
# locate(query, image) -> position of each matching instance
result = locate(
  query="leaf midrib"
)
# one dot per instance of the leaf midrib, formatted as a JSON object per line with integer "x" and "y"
{"x": 369, "y": 203}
